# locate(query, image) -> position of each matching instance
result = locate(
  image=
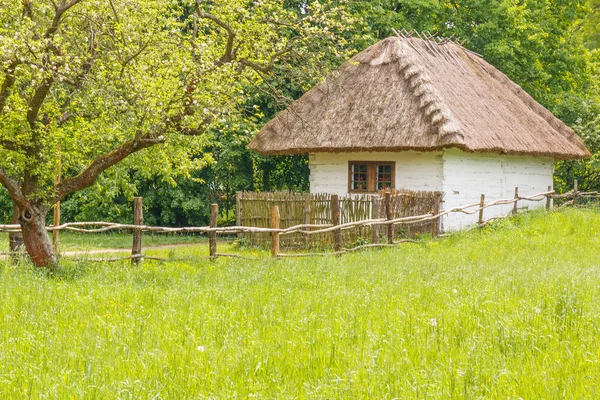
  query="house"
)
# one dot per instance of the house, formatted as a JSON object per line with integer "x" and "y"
{"x": 423, "y": 115}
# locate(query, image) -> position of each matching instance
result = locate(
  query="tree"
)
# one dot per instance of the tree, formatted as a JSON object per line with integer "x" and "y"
{"x": 100, "y": 84}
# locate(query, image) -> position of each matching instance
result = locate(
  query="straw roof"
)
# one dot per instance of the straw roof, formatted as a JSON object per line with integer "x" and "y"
{"x": 406, "y": 93}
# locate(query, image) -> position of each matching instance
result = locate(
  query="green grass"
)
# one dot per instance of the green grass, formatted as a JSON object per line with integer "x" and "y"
{"x": 70, "y": 241}
{"x": 512, "y": 311}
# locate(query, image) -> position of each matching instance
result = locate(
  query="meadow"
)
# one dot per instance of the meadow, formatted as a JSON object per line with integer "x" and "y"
{"x": 509, "y": 311}
{"x": 70, "y": 241}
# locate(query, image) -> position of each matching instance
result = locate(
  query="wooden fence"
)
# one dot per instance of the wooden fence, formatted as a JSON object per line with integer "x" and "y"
{"x": 387, "y": 223}
{"x": 253, "y": 209}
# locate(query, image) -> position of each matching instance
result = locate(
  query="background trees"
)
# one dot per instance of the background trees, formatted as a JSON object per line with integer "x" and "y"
{"x": 549, "y": 47}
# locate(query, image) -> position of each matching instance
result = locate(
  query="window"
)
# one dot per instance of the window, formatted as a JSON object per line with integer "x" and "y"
{"x": 370, "y": 176}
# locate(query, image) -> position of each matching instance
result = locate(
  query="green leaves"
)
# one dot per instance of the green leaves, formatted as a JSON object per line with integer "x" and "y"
{"x": 80, "y": 80}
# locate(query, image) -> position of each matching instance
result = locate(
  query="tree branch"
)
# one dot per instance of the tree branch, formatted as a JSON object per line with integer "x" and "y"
{"x": 8, "y": 83}
{"x": 77, "y": 84}
{"x": 89, "y": 176}
{"x": 266, "y": 68}
{"x": 59, "y": 11}
{"x": 132, "y": 57}
{"x": 10, "y": 145}
{"x": 228, "y": 55}
{"x": 37, "y": 100}
{"x": 28, "y": 9}
{"x": 42, "y": 91}
{"x": 13, "y": 189}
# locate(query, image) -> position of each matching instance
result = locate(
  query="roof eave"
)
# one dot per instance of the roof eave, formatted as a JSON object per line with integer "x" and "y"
{"x": 306, "y": 150}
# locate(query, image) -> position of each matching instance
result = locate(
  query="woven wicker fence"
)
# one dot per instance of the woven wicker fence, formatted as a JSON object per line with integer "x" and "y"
{"x": 253, "y": 210}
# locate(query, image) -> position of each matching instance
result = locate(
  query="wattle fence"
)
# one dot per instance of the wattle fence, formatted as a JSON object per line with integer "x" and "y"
{"x": 254, "y": 209}
{"x": 386, "y": 224}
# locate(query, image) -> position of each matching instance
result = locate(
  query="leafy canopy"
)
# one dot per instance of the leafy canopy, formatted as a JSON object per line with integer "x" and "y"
{"x": 85, "y": 83}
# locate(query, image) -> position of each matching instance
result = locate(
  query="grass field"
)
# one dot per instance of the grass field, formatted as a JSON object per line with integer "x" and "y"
{"x": 512, "y": 311}
{"x": 70, "y": 241}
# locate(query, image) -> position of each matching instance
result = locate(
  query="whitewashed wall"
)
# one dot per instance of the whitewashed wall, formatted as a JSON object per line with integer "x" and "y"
{"x": 468, "y": 175}
{"x": 414, "y": 171}
{"x": 461, "y": 176}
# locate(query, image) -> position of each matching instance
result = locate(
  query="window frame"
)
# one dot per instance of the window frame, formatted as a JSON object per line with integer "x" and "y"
{"x": 371, "y": 175}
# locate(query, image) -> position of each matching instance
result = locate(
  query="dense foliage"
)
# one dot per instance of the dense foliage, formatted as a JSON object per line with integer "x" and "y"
{"x": 549, "y": 47}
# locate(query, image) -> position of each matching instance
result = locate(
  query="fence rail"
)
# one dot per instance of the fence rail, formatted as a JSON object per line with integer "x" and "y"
{"x": 313, "y": 229}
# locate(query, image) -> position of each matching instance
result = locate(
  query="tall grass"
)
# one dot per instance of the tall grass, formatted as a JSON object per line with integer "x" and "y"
{"x": 512, "y": 311}
{"x": 70, "y": 241}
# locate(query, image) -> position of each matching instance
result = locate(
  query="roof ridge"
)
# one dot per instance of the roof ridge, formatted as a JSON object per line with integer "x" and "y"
{"x": 430, "y": 102}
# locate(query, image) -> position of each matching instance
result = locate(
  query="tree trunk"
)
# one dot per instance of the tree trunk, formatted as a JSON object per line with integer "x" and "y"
{"x": 36, "y": 239}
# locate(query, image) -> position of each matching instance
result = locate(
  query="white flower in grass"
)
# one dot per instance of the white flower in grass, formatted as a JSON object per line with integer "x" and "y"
{"x": 433, "y": 322}
{"x": 201, "y": 349}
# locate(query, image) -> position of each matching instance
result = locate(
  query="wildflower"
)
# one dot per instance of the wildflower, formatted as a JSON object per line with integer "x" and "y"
{"x": 201, "y": 349}
{"x": 433, "y": 322}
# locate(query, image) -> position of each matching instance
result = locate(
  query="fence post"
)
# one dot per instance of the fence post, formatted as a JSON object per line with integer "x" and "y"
{"x": 212, "y": 236}
{"x": 275, "y": 235}
{"x": 375, "y": 206}
{"x": 481, "y": 204}
{"x": 516, "y": 200}
{"x": 436, "y": 211}
{"x": 238, "y": 211}
{"x": 138, "y": 219}
{"x": 549, "y": 199}
{"x": 307, "y": 217}
{"x": 56, "y": 222}
{"x": 387, "y": 199}
{"x": 575, "y": 192}
{"x": 56, "y": 216}
{"x": 335, "y": 220}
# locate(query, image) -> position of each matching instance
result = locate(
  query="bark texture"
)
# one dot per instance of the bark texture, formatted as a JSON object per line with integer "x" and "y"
{"x": 36, "y": 239}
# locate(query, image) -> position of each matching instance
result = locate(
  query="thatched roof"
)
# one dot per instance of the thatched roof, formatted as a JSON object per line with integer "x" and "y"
{"x": 413, "y": 94}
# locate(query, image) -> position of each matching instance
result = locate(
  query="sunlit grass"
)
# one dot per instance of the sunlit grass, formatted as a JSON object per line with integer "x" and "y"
{"x": 70, "y": 241}
{"x": 512, "y": 311}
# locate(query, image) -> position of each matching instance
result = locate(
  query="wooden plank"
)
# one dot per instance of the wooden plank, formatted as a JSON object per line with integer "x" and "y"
{"x": 515, "y": 209}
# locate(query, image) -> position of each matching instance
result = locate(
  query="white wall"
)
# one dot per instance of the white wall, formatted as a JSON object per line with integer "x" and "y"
{"x": 414, "y": 170}
{"x": 468, "y": 175}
